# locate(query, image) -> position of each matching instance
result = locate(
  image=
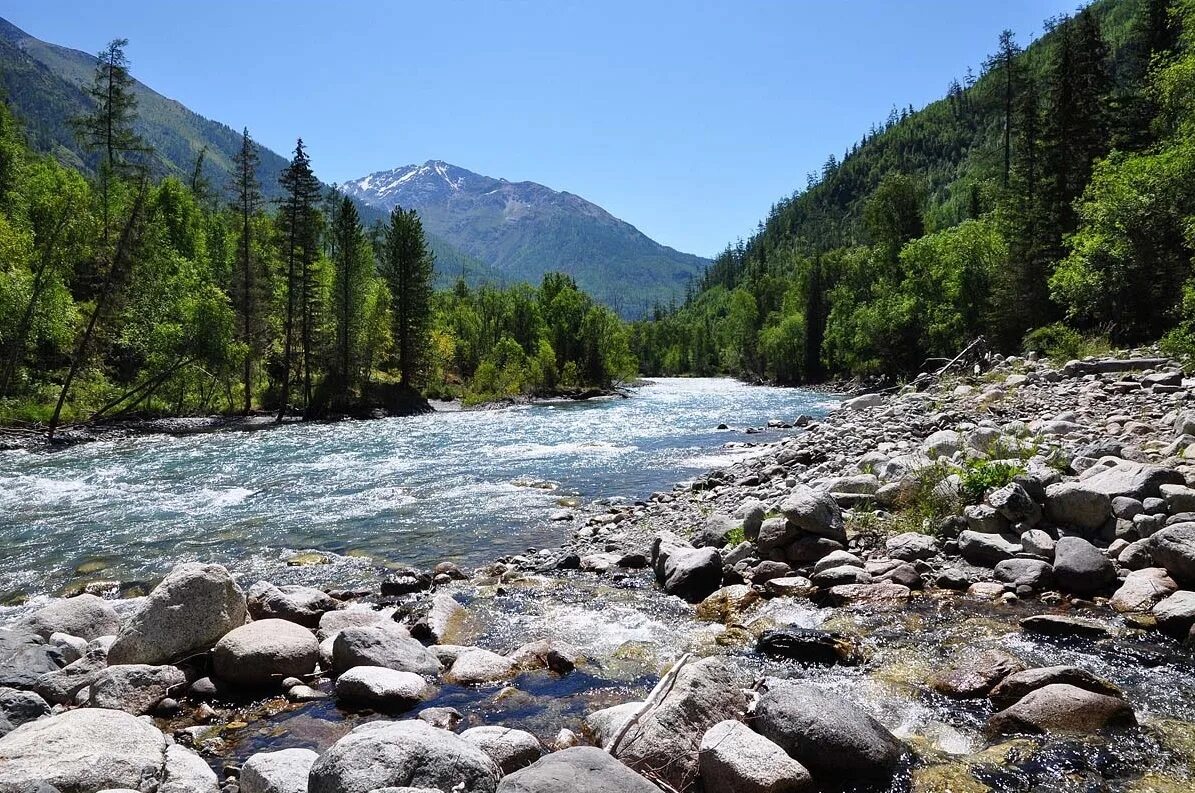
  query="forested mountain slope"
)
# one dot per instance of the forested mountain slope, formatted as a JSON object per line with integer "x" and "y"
{"x": 1051, "y": 188}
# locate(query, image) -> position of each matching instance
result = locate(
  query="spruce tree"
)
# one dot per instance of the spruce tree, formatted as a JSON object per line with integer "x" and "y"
{"x": 298, "y": 223}
{"x": 352, "y": 261}
{"x": 246, "y": 203}
{"x": 409, "y": 269}
{"x": 1005, "y": 61}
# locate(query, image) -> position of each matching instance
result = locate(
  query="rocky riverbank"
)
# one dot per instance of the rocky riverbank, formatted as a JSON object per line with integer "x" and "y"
{"x": 987, "y": 584}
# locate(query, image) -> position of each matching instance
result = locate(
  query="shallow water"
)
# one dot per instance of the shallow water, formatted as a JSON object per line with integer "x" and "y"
{"x": 461, "y": 486}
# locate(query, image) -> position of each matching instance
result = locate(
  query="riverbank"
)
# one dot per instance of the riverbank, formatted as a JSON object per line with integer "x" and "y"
{"x": 1023, "y": 630}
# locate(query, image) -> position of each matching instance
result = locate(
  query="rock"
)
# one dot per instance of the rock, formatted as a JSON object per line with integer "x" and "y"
{"x": 72, "y": 648}
{"x": 85, "y": 616}
{"x": 1059, "y": 707}
{"x": 807, "y": 645}
{"x": 715, "y": 531}
{"x": 88, "y": 749}
{"x": 1081, "y": 569}
{"x": 881, "y": 592}
{"x": 265, "y": 651}
{"x": 1014, "y": 503}
{"x": 911, "y": 546}
{"x": 692, "y": 574}
{"x": 1127, "y": 508}
{"x": 404, "y": 582}
{"x": 403, "y": 753}
{"x": 446, "y": 622}
{"x": 844, "y": 574}
{"x": 382, "y": 646}
{"x": 302, "y": 604}
{"x": 62, "y": 685}
{"x": 752, "y": 513}
{"x": 986, "y": 549}
{"x": 838, "y": 742}
{"x": 1142, "y": 590}
{"x": 381, "y": 687}
{"x": 333, "y": 622}
{"x": 837, "y": 559}
{"x": 814, "y": 512}
{"x": 986, "y": 590}
{"x": 976, "y": 676}
{"x": 1126, "y": 478}
{"x": 602, "y": 725}
{"x": 187, "y": 613}
{"x": 580, "y": 769}
{"x": 477, "y": 666}
{"x": 1176, "y": 613}
{"x": 25, "y": 657}
{"x": 864, "y": 402}
{"x": 1033, "y": 573}
{"x": 985, "y": 519}
{"x": 556, "y": 656}
{"x": 187, "y": 772}
{"x": 943, "y": 443}
{"x": 732, "y": 757}
{"x": 284, "y": 771}
{"x": 728, "y": 604}
{"x": 510, "y": 749}
{"x": 18, "y": 707}
{"x": 905, "y": 575}
{"x": 135, "y": 688}
{"x": 1012, "y": 688}
{"x": 1038, "y": 544}
{"x": 1078, "y": 504}
{"x": 791, "y": 586}
{"x": 810, "y": 548}
{"x": 1174, "y": 549}
{"x": 441, "y": 718}
{"x": 765, "y": 571}
{"x": 665, "y": 740}
{"x": 1060, "y": 625}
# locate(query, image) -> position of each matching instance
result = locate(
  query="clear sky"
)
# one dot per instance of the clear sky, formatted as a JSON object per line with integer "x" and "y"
{"x": 686, "y": 119}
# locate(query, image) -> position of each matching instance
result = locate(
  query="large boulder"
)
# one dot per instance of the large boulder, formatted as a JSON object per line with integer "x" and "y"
{"x": 836, "y": 740}
{"x": 1012, "y": 688}
{"x": 135, "y": 688}
{"x": 814, "y": 512}
{"x": 581, "y": 769}
{"x": 445, "y": 622}
{"x": 665, "y": 740}
{"x": 975, "y": 676}
{"x": 1082, "y": 569}
{"x": 187, "y": 772}
{"x": 1174, "y": 549}
{"x": 692, "y": 574}
{"x": 265, "y": 652}
{"x": 985, "y": 549}
{"x": 1033, "y": 573}
{"x": 911, "y": 546}
{"x": 284, "y": 771}
{"x": 1060, "y": 707}
{"x": 85, "y": 616}
{"x": 733, "y": 757}
{"x": 382, "y": 646}
{"x": 187, "y": 613}
{"x": 1125, "y": 478}
{"x": 25, "y": 657}
{"x": 381, "y": 687}
{"x": 1078, "y": 504}
{"x": 510, "y": 749}
{"x": 1176, "y": 614}
{"x": 83, "y": 751}
{"x": 402, "y": 753}
{"x": 302, "y": 604}
{"x": 18, "y": 707}
{"x": 1142, "y": 590}
{"x": 476, "y": 666}
{"x": 63, "y": 684}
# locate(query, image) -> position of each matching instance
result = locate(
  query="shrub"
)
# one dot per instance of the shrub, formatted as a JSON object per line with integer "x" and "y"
{"x": 1062, "y": 343}
{"x": 735, "y": 536}
{"x": 983, "y": 475}
{"x": 928, "y": 501}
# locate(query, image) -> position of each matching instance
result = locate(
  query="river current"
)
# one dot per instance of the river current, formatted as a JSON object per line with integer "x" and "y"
{"x": 462, "y": 486}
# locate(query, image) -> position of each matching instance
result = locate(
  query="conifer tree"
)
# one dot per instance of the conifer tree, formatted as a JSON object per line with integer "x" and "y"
{"x": 1005, "y": 61}
{"x": 352, "y": 260}
{"x": 409, "y": 268}
{"x": 298, "y": 223}
{"x": 246, "y": 203}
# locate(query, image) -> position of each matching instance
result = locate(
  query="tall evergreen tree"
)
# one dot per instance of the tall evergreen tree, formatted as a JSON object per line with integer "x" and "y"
{"x": 409, "y": 268}
{"x": 246, "y": 203}
{"x": 352, "y": 260}
{"x": 300, "y": 241}
{"x": 1005, "y": 61}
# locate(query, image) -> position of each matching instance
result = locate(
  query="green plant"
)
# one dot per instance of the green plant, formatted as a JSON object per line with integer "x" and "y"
{"x": 735, "y": 536}
{"x": 1061, "y": 343}
{"x": 928, "y": 499}
{"x": 979, "y": 476}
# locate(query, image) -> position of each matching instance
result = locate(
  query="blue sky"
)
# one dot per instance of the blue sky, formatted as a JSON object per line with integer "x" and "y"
{"x": 687, "y": 119}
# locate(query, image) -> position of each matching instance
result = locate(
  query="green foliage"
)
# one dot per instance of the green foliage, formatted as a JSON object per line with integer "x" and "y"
{"x": 735, "y": 536}
{"x": 929, "y": 499}
{"x": 980, "y": 476}
{"x": 1062, "y": 343}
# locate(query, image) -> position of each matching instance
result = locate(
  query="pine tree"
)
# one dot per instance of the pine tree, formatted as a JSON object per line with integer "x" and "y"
{"x": 247, "y": 202}
{"x": 300, "y": 250}
{"x": 1005, "y": 60}
{"x": 409, "y": 268}
{"x": 352, "y": 261}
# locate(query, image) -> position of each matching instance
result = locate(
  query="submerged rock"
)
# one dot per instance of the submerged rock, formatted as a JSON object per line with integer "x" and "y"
{"x": 1060, "y": 707}
{"x": 808, "y": 645}
{"x": 976, "y": 676}
{"x": 1012, "y": 688}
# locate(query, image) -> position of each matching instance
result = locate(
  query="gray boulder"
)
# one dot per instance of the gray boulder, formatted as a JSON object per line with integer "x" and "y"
{"x": 581, "y": 769}
{"x": 833, "y": 738}
{"x": 187, "y": 613}
{"x": 1131, "y": 479}
{"x": 25, "y": 657}
{"x": 61, "y": 685}
{"x": 85, "y": 616}
{"x": 666, "y": 739}
{"x": 403, "y": 753}
{"x": 1174, "y": 549}
{"x": 18, "y": 707}
{"x": 1078, "y": 504}
{"x": 135, "y": 688}
{"x": 911, "y": 546}
{"x": 733, "y": 757}
{"x": 976, "y": 676}
{"x": 984, "y": 549}
{"x": 476, "y": 666}
{"x": 1014, "y": 503}
{"x": 692, "y": 574}
{"x": 1032, "y": 573}
{"x": 187, "y": 772}
{"x": 381, "y": 646}
{"x": 1060, "y": 707}
{"x": 1142, "y": 590}
{"x": 381, "y": 687}
{"x": 84, "y": 750}
{"x": 302, "y": 604}
{"x": 283, "y": 771}
{"x": 510, "y": 749}
{"x": 752, "y": 513}
{"x": 1176, "y": 613}
{"x": 814, "y": 512}
{"x": 715, "y": 531}
{"x": 1012, "y": 688}
{"x": 1082, "y": 569}
{"x": 264, "y": 652}
{"x": 446, "y": 622}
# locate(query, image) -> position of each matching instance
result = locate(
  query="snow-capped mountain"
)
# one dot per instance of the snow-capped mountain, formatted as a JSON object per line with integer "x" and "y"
{"x": 524, "y": 230}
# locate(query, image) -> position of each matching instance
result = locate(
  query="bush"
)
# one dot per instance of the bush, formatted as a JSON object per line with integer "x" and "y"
{"x": 983, "y": 475}
{"x": 1061, "y": 343}
{"x": 930, "y": 500}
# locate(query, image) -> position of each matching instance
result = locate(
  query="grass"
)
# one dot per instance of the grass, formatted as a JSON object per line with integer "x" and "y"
{"x": 735, "y": 536}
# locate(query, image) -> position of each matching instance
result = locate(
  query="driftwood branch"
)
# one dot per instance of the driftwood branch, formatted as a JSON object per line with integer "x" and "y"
{"x": 950, "y": 364}
{"x": 657, "y": 695}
